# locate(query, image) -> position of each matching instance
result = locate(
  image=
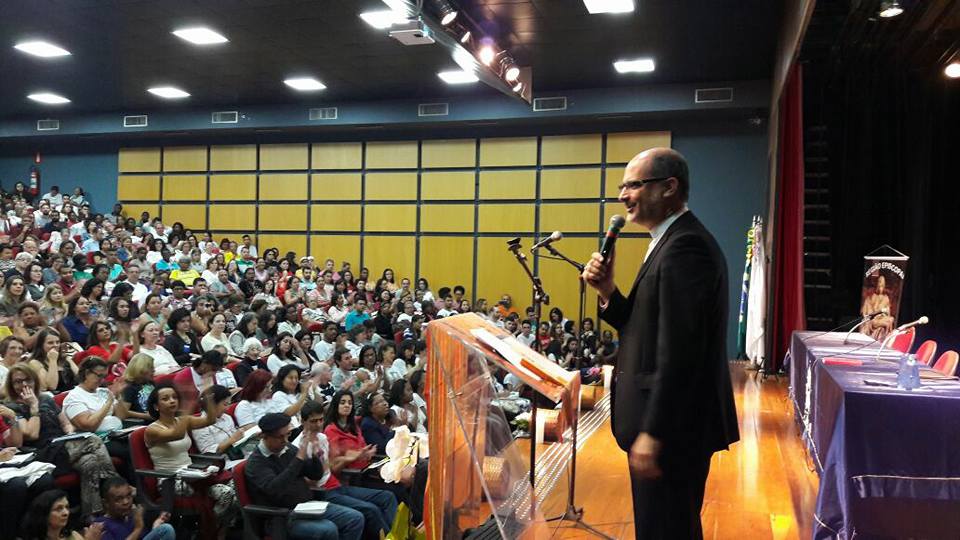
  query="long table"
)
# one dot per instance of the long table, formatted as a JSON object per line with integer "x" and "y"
{"x": 888, "y": 459}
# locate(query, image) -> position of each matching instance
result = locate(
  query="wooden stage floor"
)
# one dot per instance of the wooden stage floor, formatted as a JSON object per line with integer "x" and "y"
{"x": 760, "y": 489}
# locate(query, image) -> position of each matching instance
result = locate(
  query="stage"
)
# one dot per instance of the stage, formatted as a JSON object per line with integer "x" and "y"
{"x": 761, "y": 489}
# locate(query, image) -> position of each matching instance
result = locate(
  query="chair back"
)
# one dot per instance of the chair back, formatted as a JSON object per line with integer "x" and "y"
{"x": 947, "y": 363}
{"x": 926, "y": 351}
{"x": 904, "y": 340}
{"x": 141, "y": 459}
{"x": 165, "y": 378}
{"x": 240, "y": 483}
{"x": 58, "y": 398}
{"x": 232, "y": 411}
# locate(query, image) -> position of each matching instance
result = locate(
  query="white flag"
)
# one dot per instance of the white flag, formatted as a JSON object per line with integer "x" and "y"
{"x": 756, "y": 303}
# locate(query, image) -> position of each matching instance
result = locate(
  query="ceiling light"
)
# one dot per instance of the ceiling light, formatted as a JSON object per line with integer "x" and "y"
{"x": 447, "y": 13}
{"x": 41, "y": 48}
{"x": 457, "y": 77}
{"x": 383, "y": 19}
{"x": 200, "y": 36}
{"x": 952, "y": 70}
{"x": 518, "y": 87}
{"x": 465, "y": 38}
{"x": 890, "y": 9}
{"x": 608, "y": 6}
{"x": 640, "y": 65}
{"x": 304, "y": 84}
{"x": 168, "y": 92}
{"x": 486, "y": 54}
{"x": 509, "y": 69}
{"x": 48, "y": 98}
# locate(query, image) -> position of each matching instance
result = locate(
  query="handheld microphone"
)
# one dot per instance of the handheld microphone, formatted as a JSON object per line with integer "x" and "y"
{"x": 918, "y": 322}
{"x": 554, "y": 237}
{"x": 616, "y": 223}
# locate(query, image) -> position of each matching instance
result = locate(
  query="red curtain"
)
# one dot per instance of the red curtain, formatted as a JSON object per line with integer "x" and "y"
{"x": 788, "y": 311}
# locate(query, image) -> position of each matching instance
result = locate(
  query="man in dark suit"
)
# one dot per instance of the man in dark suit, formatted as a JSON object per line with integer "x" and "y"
{"x": 672, "y": 400}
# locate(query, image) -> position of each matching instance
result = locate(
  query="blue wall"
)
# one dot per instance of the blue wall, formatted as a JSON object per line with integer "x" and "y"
{"x": 727, "y": 158}
{"x": 96, "y": 173}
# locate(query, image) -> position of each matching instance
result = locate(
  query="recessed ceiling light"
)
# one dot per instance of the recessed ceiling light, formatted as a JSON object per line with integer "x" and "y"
{"x": 608, "y": 6}
{"x": 168, "y": 92}
{"x": 200, "y": 35}
{"x": 487, "y": 54}
{"x": 447, "y": 12}
{"x": 639, "y": 65}
{"x": 48, "y": 98}
{"x": 304, "y": 84}
{"x": 952, "y": 70}
{"x": 383, "y": 19}
{"x": 457, "y": 77}
{"x": 890, "y": 9}
{"x": 41, "y": 48}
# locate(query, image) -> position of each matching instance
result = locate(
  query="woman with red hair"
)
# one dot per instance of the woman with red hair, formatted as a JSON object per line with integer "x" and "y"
{"x": 254, "y": 398}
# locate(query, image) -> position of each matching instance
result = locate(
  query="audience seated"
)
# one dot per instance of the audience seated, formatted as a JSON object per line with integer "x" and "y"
{"x": 122, "y": 519}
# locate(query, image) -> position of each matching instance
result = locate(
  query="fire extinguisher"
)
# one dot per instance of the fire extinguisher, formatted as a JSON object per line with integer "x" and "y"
{"x": 35, "y": 175}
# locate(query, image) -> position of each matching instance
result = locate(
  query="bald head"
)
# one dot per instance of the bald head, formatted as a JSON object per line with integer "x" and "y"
{"x": 664, "y": 163}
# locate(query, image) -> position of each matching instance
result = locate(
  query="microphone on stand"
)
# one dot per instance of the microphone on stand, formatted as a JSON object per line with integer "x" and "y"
{"x": 900, "y": 329}
{"x": 616, "y": 223}
{"x": 918, "y": 322}
{"x": 556, "y": 236}
{"x": 864, "y": 320}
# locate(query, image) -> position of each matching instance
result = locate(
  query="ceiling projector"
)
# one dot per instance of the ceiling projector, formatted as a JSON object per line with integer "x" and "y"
{"x": 412, "y": 32}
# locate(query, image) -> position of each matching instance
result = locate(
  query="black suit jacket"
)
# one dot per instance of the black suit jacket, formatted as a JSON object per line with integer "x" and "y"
{"x": 672, "y": 379}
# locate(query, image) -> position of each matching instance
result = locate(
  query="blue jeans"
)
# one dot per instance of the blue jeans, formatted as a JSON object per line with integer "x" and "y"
{"x": 163, "y": 532}
{"x": 378, "y": 507}
{"x": 337, "y": 522}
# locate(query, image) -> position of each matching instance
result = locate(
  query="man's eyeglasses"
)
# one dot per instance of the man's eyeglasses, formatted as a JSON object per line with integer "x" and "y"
{"x": 639, "y": 183}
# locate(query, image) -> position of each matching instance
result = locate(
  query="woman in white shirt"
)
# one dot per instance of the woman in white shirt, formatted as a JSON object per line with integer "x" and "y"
{"x": 289, "y": 394}
{"x": 290, "y": 323}
{"x": 254, "y": 398}
{"x": 216, "y": 336}
{"x": 401, "y": 402}
{"x": 89, "y": 407}
{"x": 212, "y": 267}
{"x": 223, "y": 434}
{"x": 337, "y": 311}
{"x": 287, "y": 351}
{"x": 149, "y": 344}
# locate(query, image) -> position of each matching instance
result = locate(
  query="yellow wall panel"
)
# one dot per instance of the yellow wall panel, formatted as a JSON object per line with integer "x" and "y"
{"x": 621, "y": 147}
{"x": 392, "y": 155}
{"x": 135, "y": 209}
{"x": 184, "y": 187}
{"x": 571, "y": 149}
{"x": 447, "y": 185}
{"x": 449, "y": 153}
{"x": 504, "y": 151}
{"x": 275, "y": 157}
{"x": 296, "y": 243}
{"x": 283, "y": 187}
{"x": 508, "y": 184}
{"x": 348, "y": 155}
{"x": 446, "y": 218}
{"x": 570, "y": 183}
{"x": 193, "y": 216}
{"x": 440, "y": 268}
{"x": 139, "y": 160}
{"x": 336, "y": 247}
{"x": 630, "y": 253}
{"x": 283, "y": 217}
{"x": 390, "y": 217}
{"x": 508, "y": 218}
{"x": 138, "y": 187}
{"x": 336, "y": 187}
{"x": 391, "y": 186}
{"x": 570, "y": 217}
{"x": 499, "y": 273}
{"x": 335, "y": 217}
{"x": 614, "y": 207}
{"x": 396, "y": 252}
{"x": 240, "y": 157}
{"x": 233, "y": 217}
{"x": 233, "y": 187}
{"x": 184, "y": 158}
{"x": 562, "y": 280}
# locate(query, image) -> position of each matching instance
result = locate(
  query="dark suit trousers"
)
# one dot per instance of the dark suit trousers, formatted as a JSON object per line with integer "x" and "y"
{"x": 668, "y": 508}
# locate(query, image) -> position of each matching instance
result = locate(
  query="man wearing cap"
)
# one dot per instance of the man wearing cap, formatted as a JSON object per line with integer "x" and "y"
{"x": 277, "y": 474}
{"x": 305, "y": 262}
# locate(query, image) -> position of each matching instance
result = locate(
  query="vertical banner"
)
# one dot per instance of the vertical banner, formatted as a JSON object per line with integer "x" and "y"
{"x": 883, "y": 277}
{"x": 744, "y": 293}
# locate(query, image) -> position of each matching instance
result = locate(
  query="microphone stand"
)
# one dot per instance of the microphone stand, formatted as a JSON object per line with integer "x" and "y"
{"x": 862, "y": 322}
{"x": 539, "y": 297}
{"x": 572, "y": 513}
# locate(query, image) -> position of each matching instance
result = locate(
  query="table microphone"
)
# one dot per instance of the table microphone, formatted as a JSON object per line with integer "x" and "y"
{"x": 864, "y": 320}
{"x": 918, "y": 322}
{"x": 616, "y": 223}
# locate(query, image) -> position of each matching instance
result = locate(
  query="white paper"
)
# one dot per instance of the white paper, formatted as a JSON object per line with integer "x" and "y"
{"x": 18, "y": 459}
{"x": 316, "y": 508}
{"x": 255, "y": 430}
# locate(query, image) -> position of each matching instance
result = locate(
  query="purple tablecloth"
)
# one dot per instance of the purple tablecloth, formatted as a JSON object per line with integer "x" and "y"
{"x": 889, "y": 459}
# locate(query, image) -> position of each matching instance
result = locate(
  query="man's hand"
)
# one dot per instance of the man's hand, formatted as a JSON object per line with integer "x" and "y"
{"x": 137, "y": 517}
{"x": 599, "y": 274}
{"x": 7, "y": 454}
{"x": 161, "y": 519}
{"x": 643, "y": 457}
{"x": 8, "y": 413}
{"x": 93, "y": 532}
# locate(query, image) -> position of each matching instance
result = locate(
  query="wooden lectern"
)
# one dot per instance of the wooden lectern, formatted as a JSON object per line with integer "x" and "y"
{"x": 475, "y": 470}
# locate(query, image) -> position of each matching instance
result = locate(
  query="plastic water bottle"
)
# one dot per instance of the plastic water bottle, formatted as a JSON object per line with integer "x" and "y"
{"x": 908, "y": 377}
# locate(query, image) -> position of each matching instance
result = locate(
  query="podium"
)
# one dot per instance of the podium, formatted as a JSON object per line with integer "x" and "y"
{"x": 476, "y": 471}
